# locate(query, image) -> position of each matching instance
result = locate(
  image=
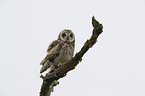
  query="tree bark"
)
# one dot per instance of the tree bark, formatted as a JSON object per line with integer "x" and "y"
{"x": 50, "y": 79}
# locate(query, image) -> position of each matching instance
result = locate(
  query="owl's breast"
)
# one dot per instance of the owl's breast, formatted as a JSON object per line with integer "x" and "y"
{"x": 65, "y": 54}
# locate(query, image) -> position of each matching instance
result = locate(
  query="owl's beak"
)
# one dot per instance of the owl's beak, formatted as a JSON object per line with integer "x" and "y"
{"x": 67, "y": 38}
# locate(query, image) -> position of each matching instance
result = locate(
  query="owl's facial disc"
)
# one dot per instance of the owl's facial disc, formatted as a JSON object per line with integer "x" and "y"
{"x": 67, "y": 36}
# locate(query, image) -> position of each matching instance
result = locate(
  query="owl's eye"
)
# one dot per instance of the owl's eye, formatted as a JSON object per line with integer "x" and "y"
{"x": 71, "y": 35}
{"x": 63, "y": 35}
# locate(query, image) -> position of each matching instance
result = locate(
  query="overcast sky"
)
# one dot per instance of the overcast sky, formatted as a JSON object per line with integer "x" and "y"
{"x": 114, "y": 66}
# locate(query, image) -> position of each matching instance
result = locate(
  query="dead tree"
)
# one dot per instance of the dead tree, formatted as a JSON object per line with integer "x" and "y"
{"x": 50, "y": 79}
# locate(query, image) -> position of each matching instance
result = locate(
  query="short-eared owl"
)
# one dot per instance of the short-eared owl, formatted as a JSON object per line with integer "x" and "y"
{"x": 59, "y": 51}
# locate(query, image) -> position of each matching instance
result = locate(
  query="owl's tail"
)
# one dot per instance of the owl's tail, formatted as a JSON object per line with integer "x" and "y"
{"x": 45, "y": 66}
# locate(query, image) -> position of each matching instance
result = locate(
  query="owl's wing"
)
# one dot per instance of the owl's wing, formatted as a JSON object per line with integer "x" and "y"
{"x": 53, "y": 52}
{"x": 53, "y": 44}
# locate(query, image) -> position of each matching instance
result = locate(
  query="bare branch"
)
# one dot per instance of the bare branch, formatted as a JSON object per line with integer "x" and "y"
{"x": 50, "y": 80}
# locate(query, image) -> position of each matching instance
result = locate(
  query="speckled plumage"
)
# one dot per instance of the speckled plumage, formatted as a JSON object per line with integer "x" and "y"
{"x": 59, "y": 51}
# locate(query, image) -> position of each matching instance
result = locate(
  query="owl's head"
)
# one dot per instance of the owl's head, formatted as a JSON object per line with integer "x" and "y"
{"x": 66, "y": 36}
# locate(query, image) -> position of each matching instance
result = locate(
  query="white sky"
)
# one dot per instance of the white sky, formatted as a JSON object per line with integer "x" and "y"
{"x": 115, "y": 66}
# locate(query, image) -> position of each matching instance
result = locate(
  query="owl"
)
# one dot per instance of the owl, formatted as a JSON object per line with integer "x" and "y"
{"x": 59, "y": 51}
